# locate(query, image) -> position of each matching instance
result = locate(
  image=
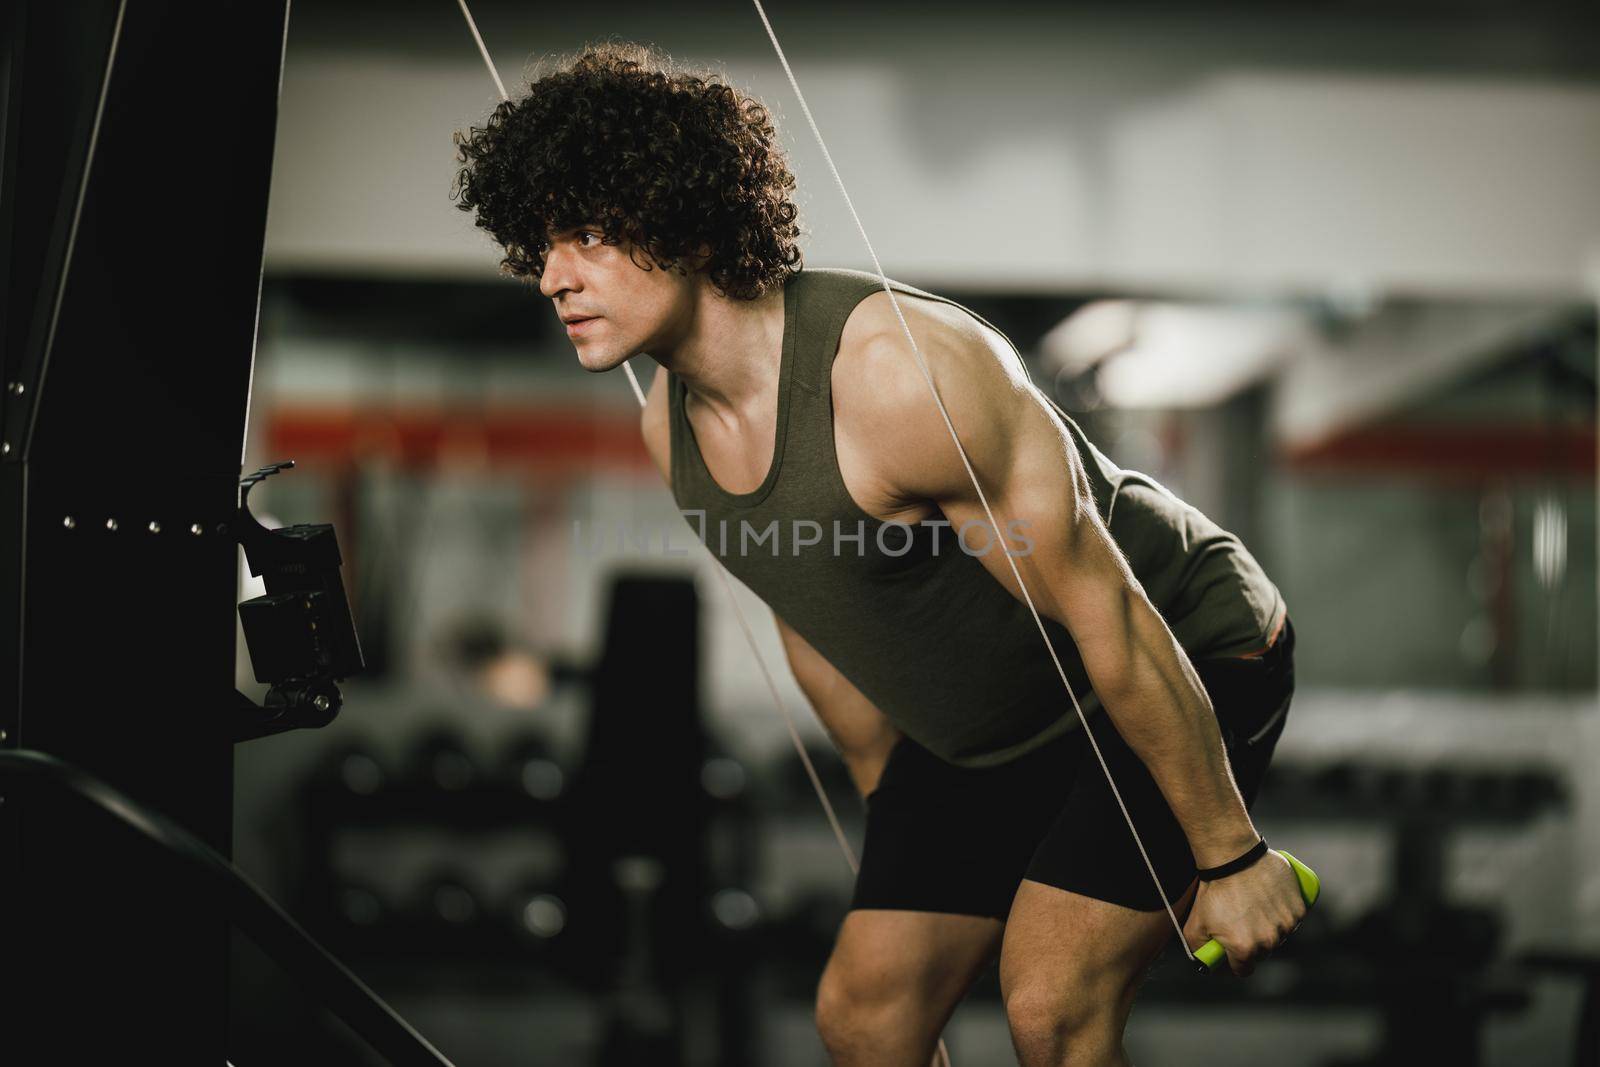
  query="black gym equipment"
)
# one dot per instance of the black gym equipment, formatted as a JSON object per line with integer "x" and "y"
{"x": 126, "y": 357}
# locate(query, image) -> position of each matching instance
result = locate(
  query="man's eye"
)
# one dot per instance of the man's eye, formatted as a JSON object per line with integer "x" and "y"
{"x": 585, "y": 235}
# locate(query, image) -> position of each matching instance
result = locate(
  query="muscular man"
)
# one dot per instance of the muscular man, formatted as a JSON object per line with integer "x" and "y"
{"x": 789, "y": 415}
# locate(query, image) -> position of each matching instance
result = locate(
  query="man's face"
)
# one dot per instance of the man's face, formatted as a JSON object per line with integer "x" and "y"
{"x": 624, "y": 308}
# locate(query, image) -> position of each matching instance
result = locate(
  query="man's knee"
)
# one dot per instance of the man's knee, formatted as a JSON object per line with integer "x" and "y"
{"x": 856, "y": 1010}
{"x": 893, "y": 979}
{"x": 1054, "y": 1020}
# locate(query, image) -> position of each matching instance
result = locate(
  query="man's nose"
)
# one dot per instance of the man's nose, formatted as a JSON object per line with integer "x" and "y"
{"x": 558, "y": 275}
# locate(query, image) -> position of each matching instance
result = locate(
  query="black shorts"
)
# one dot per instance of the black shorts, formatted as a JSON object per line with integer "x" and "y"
{"x": 951, "y": 839}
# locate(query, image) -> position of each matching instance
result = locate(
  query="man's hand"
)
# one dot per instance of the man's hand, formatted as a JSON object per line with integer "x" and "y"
{"x": 1250, "y": 912}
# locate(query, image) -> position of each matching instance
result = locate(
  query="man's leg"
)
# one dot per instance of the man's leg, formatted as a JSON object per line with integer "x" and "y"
{"x": 893, "y": 980}
{"x": 1073, "y": 957}
{"x": 945, "y": 849}
{"x": 1069, "y": 968}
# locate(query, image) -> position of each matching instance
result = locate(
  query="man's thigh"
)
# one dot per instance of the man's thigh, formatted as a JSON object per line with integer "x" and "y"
{"x": 931, "y": 958}
{"x": 893, "y": 981}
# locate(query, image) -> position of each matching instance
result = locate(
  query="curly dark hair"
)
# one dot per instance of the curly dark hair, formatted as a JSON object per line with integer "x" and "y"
{"x": 668, "y": 161}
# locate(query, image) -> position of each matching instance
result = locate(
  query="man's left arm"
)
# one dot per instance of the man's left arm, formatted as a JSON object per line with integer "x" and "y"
{"x": 1033, "y": 476}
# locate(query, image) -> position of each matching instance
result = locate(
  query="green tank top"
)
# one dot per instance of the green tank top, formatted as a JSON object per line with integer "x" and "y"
{"x": 908, "y": 614}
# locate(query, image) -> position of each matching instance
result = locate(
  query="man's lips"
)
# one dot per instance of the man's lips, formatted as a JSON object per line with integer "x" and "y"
{"x": 579, "y": 322}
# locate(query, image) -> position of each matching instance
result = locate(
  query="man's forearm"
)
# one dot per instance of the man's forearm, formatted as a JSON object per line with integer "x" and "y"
{"x": 1159, "y": 706}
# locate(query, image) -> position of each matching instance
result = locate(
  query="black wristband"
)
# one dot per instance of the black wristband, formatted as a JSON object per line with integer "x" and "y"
{"x": 1211, "y": 874}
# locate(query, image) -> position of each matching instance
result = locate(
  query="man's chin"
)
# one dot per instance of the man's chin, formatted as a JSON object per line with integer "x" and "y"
{"x": 600, "y": 362}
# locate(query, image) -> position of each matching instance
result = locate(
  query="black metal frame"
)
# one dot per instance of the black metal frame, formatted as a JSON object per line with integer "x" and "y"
{"x": 126, "y": 356}
{"x": 244, "y": 905}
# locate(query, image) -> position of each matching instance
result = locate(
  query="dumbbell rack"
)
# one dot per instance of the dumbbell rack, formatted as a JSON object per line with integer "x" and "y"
{"x": 404, "y": 944}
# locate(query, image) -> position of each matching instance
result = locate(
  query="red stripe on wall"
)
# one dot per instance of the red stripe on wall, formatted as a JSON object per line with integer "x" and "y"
{"x": 1469, "y": 451}
{"x": 542, "y": 437}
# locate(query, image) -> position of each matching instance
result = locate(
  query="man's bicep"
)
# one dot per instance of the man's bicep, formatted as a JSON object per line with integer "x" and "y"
{"x": 1021, "y": 455}
{"x": 1045, "y": 508}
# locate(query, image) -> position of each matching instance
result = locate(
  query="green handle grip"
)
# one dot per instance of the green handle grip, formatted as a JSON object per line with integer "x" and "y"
{"x": 1208, "y": 955}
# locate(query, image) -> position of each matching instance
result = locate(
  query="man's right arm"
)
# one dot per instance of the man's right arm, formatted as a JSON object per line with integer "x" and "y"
{"x": 862, "y": 733}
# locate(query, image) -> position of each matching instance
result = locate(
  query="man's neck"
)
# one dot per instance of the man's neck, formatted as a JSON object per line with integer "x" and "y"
{"x": 729, "y": 356}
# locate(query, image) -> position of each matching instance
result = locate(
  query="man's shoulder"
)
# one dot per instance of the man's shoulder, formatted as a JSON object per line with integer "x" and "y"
{"x": 844, "y": 290}
{"x": 840, "y": 277}
{"x": 882, "y": 405}
{"x": 876, "y": 357}
{"x": 875, "y": 362}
